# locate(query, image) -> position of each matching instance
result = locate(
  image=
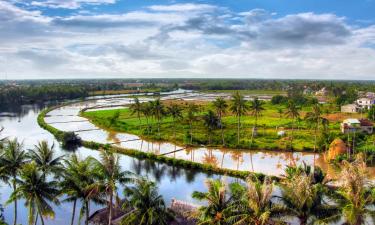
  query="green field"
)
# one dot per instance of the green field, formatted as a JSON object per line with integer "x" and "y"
{"x": 270, "y": 122}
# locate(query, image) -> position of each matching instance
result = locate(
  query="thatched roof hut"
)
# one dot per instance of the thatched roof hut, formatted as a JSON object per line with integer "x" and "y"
{"x": 336, "y": 148}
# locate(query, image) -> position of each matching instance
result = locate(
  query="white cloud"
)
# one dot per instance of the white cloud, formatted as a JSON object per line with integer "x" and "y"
{"x": 183, "y": 40}
{"x": 69, "y": 4}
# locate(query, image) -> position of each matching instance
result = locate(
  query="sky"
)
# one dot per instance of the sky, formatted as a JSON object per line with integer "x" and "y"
{"x": 282, "y": 39}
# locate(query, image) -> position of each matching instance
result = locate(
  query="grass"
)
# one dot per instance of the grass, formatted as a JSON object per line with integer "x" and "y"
{"x": 268, "y": 125}
{"x": 248, "y": 92}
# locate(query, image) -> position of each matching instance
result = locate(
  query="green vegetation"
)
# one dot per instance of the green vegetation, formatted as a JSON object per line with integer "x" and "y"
{"x": 234, "y": 123}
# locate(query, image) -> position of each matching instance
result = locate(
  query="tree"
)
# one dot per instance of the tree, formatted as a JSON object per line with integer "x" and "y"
{"x": 239, "y": 107}
{"x": 304, "y": 199}
{"x": 211, "y": 122}
{"x": 255, "y": 205}
{"x": 371, "y": 113}
{"x": 146, "y": 110}
{"x": 256, "y": 108}
{"x": 109, "y": 176}
{"x": 192, "y": 110}
{"x": 76, "y": 182}
{"x": 292, "y": 111}
{"x": 11, "y": 161}
{"x": 148, "y": 207}
{"x": 219, "y": 203}
{"x": 158, "y": 112}
{"x": 280, "y": 112}
{"x": 175, "y": 111}
{"x": 114, "y": 118}
{"x": 315, "y": 119}
{"x": 220, "y": 106}
{"x": 356, "y": 195}
{"x": 44, "y": 157}
{"x": 37, "y": 192}
{"x": 136, "y": 108}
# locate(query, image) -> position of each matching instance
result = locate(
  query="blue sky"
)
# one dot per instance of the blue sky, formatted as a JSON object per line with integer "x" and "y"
{"x": 243, "y": 38}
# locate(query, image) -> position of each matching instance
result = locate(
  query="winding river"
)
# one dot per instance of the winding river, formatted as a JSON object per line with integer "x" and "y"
{"x": 173, "y": 182}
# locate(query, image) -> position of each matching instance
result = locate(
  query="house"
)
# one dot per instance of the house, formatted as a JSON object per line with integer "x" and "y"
{"x": 365, "y": 103}
{"x": 370, "y": 95}
{"x": 322, "y": 92}
{"x": 357, "y": 125}
{"x": 350, "y": 108}
{"x": 307, "y": 91}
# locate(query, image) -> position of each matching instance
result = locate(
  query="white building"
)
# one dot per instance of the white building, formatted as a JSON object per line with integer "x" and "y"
{"x": 350, "y": 108}
{"x": 365, "y": 103}
{"x": 357, "y": 125}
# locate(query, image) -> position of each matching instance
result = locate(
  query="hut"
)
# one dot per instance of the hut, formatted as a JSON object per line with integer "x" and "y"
{"x": 336, "y": 148}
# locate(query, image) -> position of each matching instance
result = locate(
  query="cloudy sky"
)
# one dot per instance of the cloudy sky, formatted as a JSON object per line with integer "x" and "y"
{"x": 317, "y": 39}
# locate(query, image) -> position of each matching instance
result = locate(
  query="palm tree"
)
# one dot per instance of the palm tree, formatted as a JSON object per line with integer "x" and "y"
{"x": 158, "y": 112}
{"x": 256, "y": 108}
{"x": 356, "y": 195}
{"x": 239, "y": 107}
{"x": 76, "y": 182}
{"x": 175, "y": 111}
{"x": 219, "y": 203}
{"x": 148, "y": 207}
{"x": 315, "y": 119}
{"x": 221, "y": 106}
{"x": 292, "y": 111}
{"x": 191, "y": 111}
{"x": 37, "y": 192}
{"x": 136, "y": 108}
{"x": 211, "y": 122}
{"x": 109, "y": 175}
{"x": 11, "y": 161}
{"x": 304, "y": 199}
{"x": 280, "y": 112}
{"x": 255, "y": 205}
{"x": 146, "y": 110}
{"x": 44, "y": 157}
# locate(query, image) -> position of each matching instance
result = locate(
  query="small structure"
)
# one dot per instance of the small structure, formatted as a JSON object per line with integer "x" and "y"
{"x": 356, "y": 125}
{"x": 336, "y": 148}
{"x": 365, "y": 103}
{"x": 322, "y": 92}
{"x": 307, "y": 91}
{"x": 350, "y": 108}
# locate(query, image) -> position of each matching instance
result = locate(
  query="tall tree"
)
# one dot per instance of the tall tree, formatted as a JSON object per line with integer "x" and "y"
{"x": 44, "y": 157}
{"x": 292, "y": 111}
{"x": 192, "y": 110}
{"x": 109, "y": 176}
{"x": 146, "y": 109}
{"x": 37, "y": 192}
{"x": 221, "y": 106}
{"x": 148, "y": 207}
{"x": 256, "y": 108}
{"x": 219, "y": 203}
{"x": 136, "y": 108}
{"x": 211, "y": 122}
{"x": 158, "y": 112}
{"x": 239, "y": 107}
{"x": 175, "y": 111}
{"x": 315, "y": 119}
{"x": 11, "y": 161}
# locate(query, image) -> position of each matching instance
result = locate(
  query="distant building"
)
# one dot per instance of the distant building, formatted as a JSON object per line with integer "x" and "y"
{"x": 357, "y": 125}
{"x": 307, "y": 91}
{"x": 365, "y": 103}
{"x": 370, "y": 95}
{"x": 322, "y": 92}
{"x": 350, "y": 108}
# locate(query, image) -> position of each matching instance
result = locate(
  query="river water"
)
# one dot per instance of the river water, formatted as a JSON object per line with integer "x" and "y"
{"x": 173, "y": 182}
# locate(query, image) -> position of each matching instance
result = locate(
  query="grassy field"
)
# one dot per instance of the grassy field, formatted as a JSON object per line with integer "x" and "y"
{"x": 269, "y": 124}
{"x": 248, "y": 92}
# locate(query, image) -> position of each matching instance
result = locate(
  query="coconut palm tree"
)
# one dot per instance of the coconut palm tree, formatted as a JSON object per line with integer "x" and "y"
{"x": 221, "y": 106}
{"x": 44, "y": 157}
{"x": 158, "y": 112}
{"x": 292, "y": 111}
{"x": 219, "y": 203}
{"x": 356, "y": 197}
{"x": 146, "y": 109}
{"x": 255, "y": 205}
{"x": 37, "y": 192}
{"x": 239, "y": 107}
{"x": 211, "y": 122}
{"x": 192, "y": 110}
{"x": 136, "y": 108}
{"x": 148, "y": 207}
{"x": 304, "y": 199}
{"x": 256, "y": 108}
{"x": 77, "y": 179}
{"x": 12, "y": 159}
{"x": 315, "y": 119}
{"x": 109, "y": 176}
{"x": 175, "y": 111}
